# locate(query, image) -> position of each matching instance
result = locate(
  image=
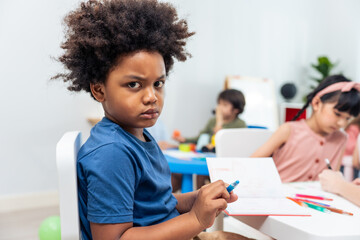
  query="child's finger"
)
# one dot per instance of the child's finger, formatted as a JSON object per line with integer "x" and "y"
{"x": 219, "y": 204}
{"x": 217, "y": 190}
{"x": 233, "y": 197}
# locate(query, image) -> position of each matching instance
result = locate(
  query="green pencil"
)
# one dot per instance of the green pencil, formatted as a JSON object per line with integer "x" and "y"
{"x": 316, "y": 207}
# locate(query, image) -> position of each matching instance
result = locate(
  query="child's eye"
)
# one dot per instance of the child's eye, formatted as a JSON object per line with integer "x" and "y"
{"x": 134, "y": 85}
{"x": 159, "y": 84}
{"x": 337, "y": 113}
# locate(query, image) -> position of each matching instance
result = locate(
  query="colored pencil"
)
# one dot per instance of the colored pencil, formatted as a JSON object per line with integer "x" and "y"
{"x": 313, "y": 197}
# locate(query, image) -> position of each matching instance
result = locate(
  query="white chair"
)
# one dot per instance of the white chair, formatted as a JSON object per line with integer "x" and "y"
{"x": 240, "y": 142}
{"x": 66, "y": 154}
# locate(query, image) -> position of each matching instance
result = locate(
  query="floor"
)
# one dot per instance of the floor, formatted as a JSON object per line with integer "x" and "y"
{"x": 24, "y": 224}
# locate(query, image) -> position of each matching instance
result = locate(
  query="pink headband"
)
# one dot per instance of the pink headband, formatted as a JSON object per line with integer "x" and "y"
{"x": 342, "y": 86}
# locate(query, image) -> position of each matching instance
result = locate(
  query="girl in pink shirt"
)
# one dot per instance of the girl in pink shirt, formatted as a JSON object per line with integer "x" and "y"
{"x": 299, "y": 149}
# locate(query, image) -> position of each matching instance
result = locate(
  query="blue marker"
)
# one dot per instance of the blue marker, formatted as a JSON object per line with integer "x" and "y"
{"x": 232, "y": 186}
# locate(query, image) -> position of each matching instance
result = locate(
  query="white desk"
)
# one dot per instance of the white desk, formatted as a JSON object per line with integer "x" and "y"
{"x": 317, "y": 227}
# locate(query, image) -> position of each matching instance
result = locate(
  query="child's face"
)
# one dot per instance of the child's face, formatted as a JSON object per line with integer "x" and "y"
{"x": 227, "y": 110}
{"x": 329, "y": 118}
{"x": 133, "y": 92}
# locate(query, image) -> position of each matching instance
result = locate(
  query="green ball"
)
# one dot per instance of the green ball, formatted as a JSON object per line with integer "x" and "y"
{"x": 50, "y": 229}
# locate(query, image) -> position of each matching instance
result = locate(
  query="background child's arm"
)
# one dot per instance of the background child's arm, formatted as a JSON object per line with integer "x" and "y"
{"x": 275, "y": 141}
{"x": 356, "y": 181}
{"x": 210, "y": 200}
{"x": 356, "y": 163}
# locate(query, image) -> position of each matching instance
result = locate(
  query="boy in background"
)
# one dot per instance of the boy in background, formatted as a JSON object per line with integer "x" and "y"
{"x": 230, "y": 103}
{"x": 121, "y": 51}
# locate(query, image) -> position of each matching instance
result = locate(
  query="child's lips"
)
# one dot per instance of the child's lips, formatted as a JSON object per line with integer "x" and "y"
{"x": 334, "y": 129}
{"x": 150, "y": 114}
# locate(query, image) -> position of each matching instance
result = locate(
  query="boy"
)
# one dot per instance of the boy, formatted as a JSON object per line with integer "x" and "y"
{"x": 230, "y": 103}
{"x": 121, "y": 52}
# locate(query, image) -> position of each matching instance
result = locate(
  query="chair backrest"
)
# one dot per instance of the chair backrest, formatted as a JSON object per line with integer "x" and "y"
{"x": 240, "y": 142}
{"x": 66, "y": 154}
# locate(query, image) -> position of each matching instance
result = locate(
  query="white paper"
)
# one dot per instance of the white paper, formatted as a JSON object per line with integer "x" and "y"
{"x": 260, "y": 189}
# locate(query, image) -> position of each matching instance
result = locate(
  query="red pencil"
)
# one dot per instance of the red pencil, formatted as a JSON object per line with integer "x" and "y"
{"x": 313, "y": 197}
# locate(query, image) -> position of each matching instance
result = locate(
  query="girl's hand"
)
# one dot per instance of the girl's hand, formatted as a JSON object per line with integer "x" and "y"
{"x": 357, "y": 181}
{"x": 331, "y": 181}
{"x": 211, "y": 200}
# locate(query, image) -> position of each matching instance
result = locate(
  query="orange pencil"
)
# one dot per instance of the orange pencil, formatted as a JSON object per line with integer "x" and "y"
{"x": 295, "y": 200}
{"x": 336, "y": 210}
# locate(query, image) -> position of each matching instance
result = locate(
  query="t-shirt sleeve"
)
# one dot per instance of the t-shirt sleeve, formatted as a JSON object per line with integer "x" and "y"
{"x": 111, "y": 184}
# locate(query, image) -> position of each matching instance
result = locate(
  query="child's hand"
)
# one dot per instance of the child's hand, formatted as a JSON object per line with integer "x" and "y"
{"x": 357, "y": 181}
{"x": 211, "y": 200}
{"x": 219, "y": 119}
{"x": 219, "y": 116}
{"x": 177, "y": 136}
{"x": 180, "y": 139}
{"x": 331, "y": 181}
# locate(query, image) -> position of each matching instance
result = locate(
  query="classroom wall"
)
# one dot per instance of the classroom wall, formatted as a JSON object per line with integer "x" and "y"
{"x": 277, "y": 39}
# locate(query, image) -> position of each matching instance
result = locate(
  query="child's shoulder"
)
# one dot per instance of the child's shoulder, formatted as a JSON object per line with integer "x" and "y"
{"x": 239, "y": 121}
{"x": 293, "y": 125}
{"x": 103, "y": 138}
{"x": 285, "y": 127}
{"x": 283, "y": 132}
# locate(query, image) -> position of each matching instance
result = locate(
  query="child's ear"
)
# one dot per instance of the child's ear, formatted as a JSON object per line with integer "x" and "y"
{"x": 315, "y": 103}
{"x": 97, "y": 90}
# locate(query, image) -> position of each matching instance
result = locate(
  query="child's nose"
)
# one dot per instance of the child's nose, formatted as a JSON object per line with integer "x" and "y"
{"x": 150, "y": 95}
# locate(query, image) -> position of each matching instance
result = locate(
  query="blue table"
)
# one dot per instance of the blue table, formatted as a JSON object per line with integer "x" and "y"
{"x": 187, "y": 167}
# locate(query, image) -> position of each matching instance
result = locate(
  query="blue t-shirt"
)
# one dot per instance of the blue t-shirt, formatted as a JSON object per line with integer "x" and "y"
{"x": 122, "y": 179}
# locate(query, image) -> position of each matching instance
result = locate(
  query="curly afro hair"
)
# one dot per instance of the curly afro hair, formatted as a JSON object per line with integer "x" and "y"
{"x": 99, "y": 32}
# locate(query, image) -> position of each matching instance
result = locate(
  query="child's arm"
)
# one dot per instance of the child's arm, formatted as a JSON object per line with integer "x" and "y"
{"x": 275, "y": 141}
{"x": 185, "y": 201}
{"x": 210, "y": 201}
{"x": 356, "y": 163}
{"x": 179, "y": 138}
{"x": 334, "y": 182}
{"x": 207, "y": 129}
{"x": 166, "y": 145}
